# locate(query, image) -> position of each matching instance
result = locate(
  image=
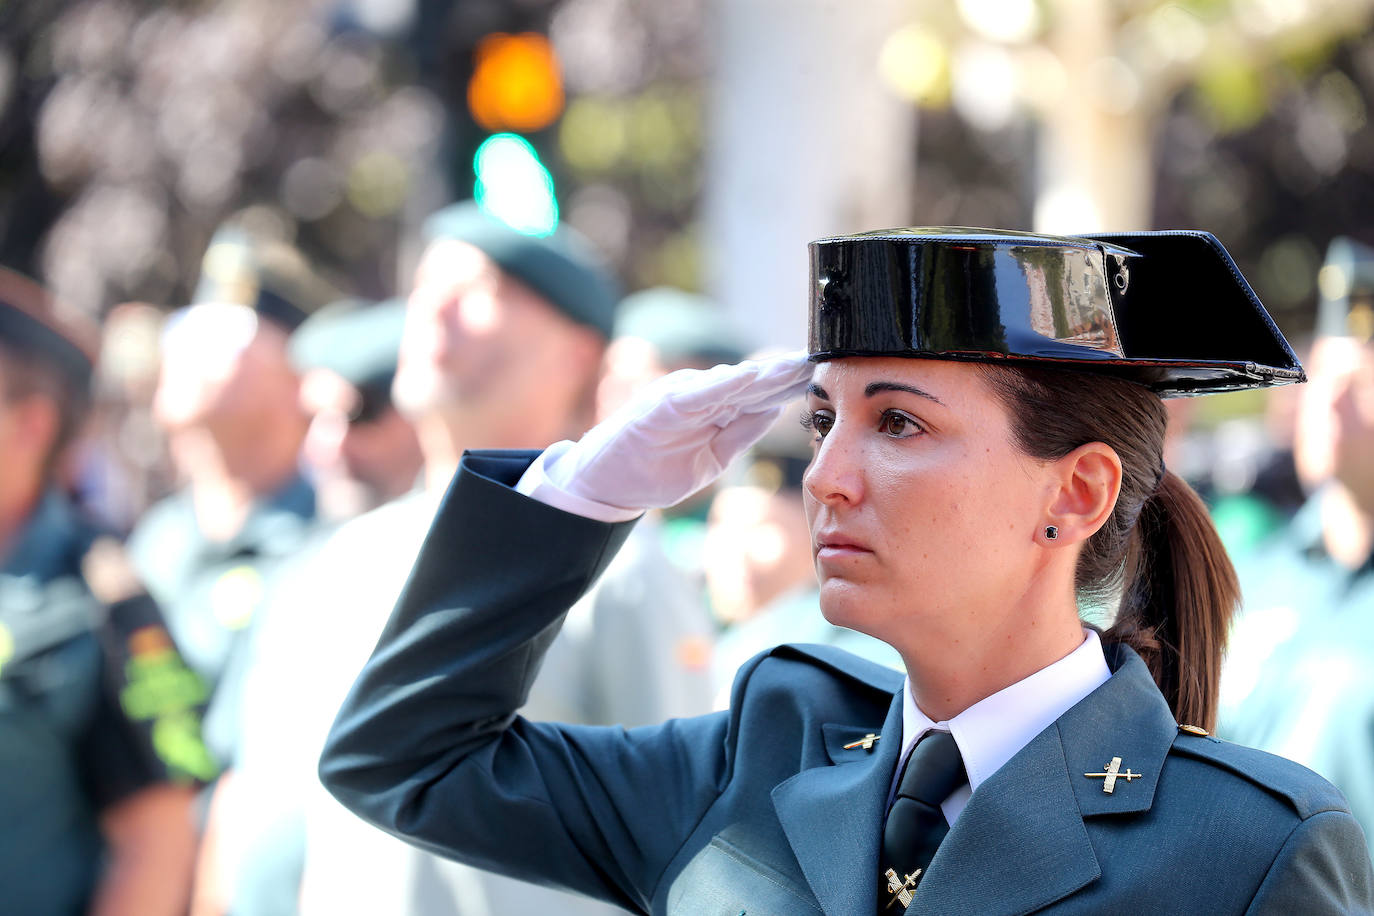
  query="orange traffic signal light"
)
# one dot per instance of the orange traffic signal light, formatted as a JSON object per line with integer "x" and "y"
{"x": 515, "y": 83}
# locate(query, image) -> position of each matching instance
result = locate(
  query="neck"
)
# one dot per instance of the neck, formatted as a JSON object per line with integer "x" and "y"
{"x": 1347, "y": 526}
{"x": 950, "y": 671}
{"x": 16, "y": 508}
{"x": 227, "y": 475}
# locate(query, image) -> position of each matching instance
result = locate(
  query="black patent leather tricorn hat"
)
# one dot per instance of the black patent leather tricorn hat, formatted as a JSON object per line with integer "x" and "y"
{"x": 1169, "y": 310}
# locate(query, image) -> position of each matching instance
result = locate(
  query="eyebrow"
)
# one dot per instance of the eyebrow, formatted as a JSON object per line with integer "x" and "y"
{"x": 874, "y": 387}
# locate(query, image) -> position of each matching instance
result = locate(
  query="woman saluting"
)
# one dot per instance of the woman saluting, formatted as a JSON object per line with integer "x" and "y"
{"x": 989, "y": 438}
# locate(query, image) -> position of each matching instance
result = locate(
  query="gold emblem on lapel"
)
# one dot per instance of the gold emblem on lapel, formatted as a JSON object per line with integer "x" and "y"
{"x": 1113, "y": 773}
{"x": 866, "y": 742}
{"x": 900, "y": 888}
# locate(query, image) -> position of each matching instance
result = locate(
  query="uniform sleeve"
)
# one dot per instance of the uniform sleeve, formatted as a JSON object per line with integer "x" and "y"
{"x": 145, "y": 727}
{"x": 115, "y": 757}
{"x": 660, "y": 668}
{"x": 428, "y": 747}
{"x": 1323, "y": 867}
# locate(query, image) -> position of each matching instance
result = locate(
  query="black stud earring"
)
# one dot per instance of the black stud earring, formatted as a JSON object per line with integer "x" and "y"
{"x": 1051, "y": 533}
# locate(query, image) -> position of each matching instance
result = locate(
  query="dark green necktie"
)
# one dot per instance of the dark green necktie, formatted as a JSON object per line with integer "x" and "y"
{"x": 915, "y": 824}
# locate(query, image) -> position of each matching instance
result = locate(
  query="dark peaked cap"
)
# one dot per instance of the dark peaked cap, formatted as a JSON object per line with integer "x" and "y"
{"x": 29, "y": 322}
{"x": 563, "y": 268}
{"x": 1167, "y": 309}
{"x": 270, "y": 277}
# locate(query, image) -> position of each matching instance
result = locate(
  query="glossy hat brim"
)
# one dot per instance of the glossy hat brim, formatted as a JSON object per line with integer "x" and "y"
{"x": 1169, "y": 310}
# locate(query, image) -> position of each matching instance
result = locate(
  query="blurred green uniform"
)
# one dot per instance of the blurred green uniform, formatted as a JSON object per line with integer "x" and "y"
{"x": 95, "y": 704}
{"x": 211, "y": 590}
{"x": 1299, "y": 673}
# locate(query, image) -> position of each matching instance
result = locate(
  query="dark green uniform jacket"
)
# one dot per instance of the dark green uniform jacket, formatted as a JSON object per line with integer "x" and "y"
{"x": 761, "y": 810}
{"x": 83, "y": 689}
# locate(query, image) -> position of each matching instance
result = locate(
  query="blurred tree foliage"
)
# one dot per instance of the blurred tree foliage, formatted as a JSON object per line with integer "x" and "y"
{"x": 1258, "y": 114}
{"x": 129, "y": 129}
{"x": 1277, "y": 161}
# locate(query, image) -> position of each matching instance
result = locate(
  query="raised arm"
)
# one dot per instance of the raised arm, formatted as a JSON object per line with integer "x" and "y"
{"x": 427, "y": 744}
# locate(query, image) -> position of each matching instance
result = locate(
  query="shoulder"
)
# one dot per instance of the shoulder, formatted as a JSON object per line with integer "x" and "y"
{"x": 1317, "y": 855}
{"x": 1305, "y": 792}
{"x": 166, "y": 523}
{"x": 816, "y": 674}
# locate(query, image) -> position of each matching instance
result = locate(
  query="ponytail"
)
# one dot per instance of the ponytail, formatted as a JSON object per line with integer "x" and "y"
{"x": 1180, "y": 592}
{"x": 1158, "y": 551}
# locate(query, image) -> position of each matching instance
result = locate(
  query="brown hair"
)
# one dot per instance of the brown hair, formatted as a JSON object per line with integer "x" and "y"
{"x": 1159, "y": 549}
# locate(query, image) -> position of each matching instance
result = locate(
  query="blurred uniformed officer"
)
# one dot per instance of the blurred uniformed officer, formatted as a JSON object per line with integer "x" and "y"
{"x": 503, "y": 344}
{"x": 227, "y": 396}
{"x": 659, "y": 330}
{"x": 99, "y": 719}
{"x": 1299, "y": 678}
{"x": 360, "y": 451}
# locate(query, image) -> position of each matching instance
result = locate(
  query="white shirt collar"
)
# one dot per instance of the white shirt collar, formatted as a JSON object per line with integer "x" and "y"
{"x": 991, "y": 731}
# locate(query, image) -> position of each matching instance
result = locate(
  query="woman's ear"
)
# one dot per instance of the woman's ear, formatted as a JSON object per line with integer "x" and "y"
{"x": 1088, "y": 481}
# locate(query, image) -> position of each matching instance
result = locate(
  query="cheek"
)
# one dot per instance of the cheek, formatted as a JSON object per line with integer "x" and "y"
{"x": 960, "y": 520}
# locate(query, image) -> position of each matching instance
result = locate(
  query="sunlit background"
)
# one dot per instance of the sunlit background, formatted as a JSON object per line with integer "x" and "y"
{"x": 699, "y": 144}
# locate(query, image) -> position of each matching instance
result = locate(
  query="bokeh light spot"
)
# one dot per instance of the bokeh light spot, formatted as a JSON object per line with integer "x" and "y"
{"x": 515, "y": 82}
{"x": 514, "y": 186}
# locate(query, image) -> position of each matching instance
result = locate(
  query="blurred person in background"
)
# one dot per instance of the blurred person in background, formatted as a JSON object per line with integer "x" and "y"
{"x": 360, "y": 451}
{"x": 502, "y": 346}
{"x": 99, "y": 717}
{"x": 121, "y": 466}
{"x": 227, "y": 398}
{"x": 1299, "y": 677}
{"x": 660, "y": 330}
{"x": 760, "y": 572}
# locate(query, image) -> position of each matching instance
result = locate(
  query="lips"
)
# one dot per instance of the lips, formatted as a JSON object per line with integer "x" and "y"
{"x": 837, "y": 545}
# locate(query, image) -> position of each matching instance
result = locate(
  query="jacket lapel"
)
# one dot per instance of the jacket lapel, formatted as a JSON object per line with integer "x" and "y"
{"x": 833, "y": 815}
{"x": 1021, "y": 843}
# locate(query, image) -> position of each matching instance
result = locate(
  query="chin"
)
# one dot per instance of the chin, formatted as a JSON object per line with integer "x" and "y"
{"x": 844, "y": 604}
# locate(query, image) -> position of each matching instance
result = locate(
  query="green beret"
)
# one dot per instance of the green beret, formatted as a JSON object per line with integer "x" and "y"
{"x": 272, "y": 278}
{"x": 353, "y": 338}
{"x": 28, "y": 323}
{"x": 684, "y": 327}
{"x": 562, "y": 267}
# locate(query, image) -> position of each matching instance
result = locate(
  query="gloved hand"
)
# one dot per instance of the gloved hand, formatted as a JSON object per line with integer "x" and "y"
{"x": 673, "y": 439}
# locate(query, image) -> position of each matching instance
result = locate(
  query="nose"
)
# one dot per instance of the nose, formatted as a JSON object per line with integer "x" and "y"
{"x": 835, "y": 475}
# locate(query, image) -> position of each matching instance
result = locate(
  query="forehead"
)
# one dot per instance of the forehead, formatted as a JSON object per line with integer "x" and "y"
{"x": 952, "y": 382}
{"x": 449, "y": 261}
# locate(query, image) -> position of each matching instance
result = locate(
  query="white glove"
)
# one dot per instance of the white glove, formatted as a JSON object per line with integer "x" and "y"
{"x": 672, "y": 440}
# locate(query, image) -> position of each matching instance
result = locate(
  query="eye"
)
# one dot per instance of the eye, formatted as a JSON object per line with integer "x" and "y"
{"x": 898, "y": 425}
{"x": 818, "y": 421}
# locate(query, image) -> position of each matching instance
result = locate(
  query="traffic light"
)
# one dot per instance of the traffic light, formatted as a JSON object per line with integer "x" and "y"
{"x": 515, "y": 84}
{"x": 513, "y": 185}
{"x": 515, "y": 89}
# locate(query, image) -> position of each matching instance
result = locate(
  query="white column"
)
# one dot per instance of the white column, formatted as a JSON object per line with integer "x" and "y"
{"x": 804, "y": 141}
